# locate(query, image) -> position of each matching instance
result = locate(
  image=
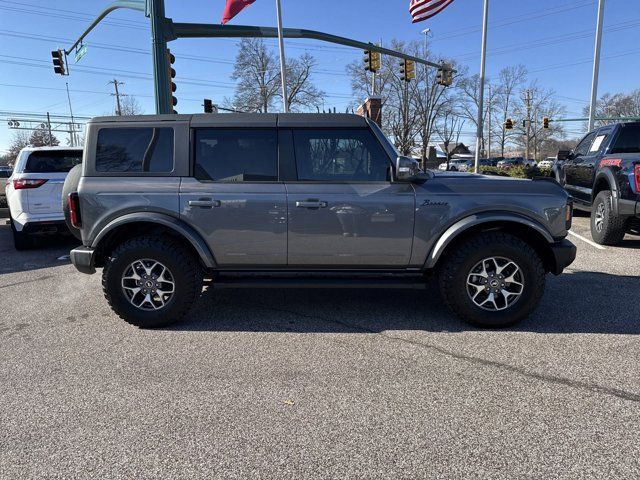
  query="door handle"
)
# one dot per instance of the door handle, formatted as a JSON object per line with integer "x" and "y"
{"x": 205, "y": 203}
{"x": 313, "y": 204}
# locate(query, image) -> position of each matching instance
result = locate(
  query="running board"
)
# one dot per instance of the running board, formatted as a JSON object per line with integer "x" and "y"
{"x": 384, "y": 283}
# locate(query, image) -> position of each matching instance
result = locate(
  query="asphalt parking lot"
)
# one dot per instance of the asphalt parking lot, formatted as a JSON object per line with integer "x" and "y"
{"x": 319, "y": 383}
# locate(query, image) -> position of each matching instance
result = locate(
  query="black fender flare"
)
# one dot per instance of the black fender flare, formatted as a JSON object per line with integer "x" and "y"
{"x": 168, "y": 221}
{"x": 466, "y": 223}
{"x": 610, "y": 178}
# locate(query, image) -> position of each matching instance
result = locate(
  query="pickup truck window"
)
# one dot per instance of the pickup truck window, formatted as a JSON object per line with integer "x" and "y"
{"x": 236, "y": 155}
{"x": 628, "y": 140}
{"x": 583, "y": 146}
{"x": 345, "y": 155}
{"x": 135, "y": 150}
{"x": 597, "y": 143}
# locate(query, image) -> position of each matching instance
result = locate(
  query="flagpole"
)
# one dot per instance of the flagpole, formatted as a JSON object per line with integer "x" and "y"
{"x": 483, "y": 58}
{"x": 283, "y": 63}
{"x": 596, "y": 66}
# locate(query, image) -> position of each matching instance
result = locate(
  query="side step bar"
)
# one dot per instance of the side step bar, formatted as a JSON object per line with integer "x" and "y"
{"x": 239, "y": 282}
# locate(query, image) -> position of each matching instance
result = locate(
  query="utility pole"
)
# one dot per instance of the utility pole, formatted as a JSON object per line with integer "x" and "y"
{"x": 483, "y": 58}
{"x": 49, "y": 128}
{"x": 528, "y": 120}
{"x": 489, "y": 119}
{"x": 596, "y": 65}
{"x": 72, "y": 126}
{"x": 116, "y": 83}
{"x": 425, "y": 148}
{"x": 283, "y": 63}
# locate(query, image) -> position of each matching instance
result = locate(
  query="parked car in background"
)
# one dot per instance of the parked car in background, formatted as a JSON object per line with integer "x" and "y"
{"x": 548, "y": 162}
{"x": 508, "y": 163}
{"x": 5, "y": 173}
{"x": 34, "y": 192}
{"x": 457, "y": 165}
{"x": 603, "y": 175}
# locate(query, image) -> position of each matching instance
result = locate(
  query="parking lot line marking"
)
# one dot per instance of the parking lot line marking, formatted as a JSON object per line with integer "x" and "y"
{"x": 593, "y": 244}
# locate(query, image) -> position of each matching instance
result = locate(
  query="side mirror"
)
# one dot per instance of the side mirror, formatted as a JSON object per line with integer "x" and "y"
{"x": 407, "y": 169}
{"x": 564, "y": 155}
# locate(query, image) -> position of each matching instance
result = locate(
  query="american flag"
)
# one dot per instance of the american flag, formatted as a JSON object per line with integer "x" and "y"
{"x": 422, "y": 9}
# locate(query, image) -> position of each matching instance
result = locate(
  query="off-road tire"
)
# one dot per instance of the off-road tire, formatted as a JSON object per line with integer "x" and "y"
{"x": 465, "y": 255}
{"x": 613, "y": 226}
{"x": 71, "y": 185}
{"x": 184, "y": 267}
{"x": 21, "y": 240}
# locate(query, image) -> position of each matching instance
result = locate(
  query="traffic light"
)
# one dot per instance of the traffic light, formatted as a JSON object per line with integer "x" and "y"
{"x": 58, "y": 57}
{"x": 545, "y": 122}
{"x": 372, "y": 61}
{"x": 407, "y": 70}
{"x": 444, "y": 76}
{"x": 172, "y": 74}
{"x": 508, "y": 124}
{"x": 208, "y": 106}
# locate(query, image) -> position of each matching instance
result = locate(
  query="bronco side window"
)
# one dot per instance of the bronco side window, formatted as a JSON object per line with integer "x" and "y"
{"x": 135, "y": 150}
{"x": 345, "y": 155}
{"x": 236, "y": 155}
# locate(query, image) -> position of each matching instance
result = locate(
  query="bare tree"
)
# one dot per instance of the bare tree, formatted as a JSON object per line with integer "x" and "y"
{"x": 40, "y": 137}
{"x": 257, "y": 73}
{"x": 533, "y": 104}
{"x": 409, "y": 110}
{"x": 510, "y": 80}
{"x": 19, "y": 140}
{"x": 301, "y": 92}
{"x": 616, "y": 105}
{"x": 449, "y": 127}
{"x": 129, "y": 105}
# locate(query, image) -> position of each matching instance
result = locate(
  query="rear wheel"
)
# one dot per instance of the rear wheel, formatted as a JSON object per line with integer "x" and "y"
{"x": 492, "y": 280}
{"x": 607, "y": 228}
{"x": 151, "y": 281}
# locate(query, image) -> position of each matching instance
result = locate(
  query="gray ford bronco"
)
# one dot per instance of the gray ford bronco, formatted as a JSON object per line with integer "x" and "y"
{"x": 165, "y": 203}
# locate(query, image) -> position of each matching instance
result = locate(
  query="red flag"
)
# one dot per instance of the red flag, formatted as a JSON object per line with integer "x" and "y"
{"x": 422, "y": 9}
{"x": 234, "y": 7}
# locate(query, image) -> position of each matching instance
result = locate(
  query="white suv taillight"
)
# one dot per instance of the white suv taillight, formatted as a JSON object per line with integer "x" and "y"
{"x": 23, "y": 183}
{"x": 636, "y": 176}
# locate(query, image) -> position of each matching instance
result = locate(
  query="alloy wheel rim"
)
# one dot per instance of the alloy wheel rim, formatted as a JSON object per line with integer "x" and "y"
{"x": 495, "y": 283}
{"x": 599, "y": 217}
{"x": 148, "y": 284}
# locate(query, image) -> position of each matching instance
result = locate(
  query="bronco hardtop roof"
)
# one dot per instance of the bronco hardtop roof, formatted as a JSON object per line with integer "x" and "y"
{"x": 325, "y": 120}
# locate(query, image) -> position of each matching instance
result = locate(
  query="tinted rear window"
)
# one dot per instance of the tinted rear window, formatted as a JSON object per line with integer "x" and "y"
{"x": 628, "y": 140}
{"x": 236, "y": 155}
{"x": 58, "y": 161}
{"x": 5, "y": 173}
{"x": 135, "y": 150}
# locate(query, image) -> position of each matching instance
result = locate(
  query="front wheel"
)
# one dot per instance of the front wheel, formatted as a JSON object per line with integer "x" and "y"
{"x": 492, "y": 280}
{"x": 151, "y": 281}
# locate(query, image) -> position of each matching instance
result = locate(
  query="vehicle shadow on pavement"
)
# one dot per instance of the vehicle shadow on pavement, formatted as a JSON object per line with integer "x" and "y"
{"x": 46, "y": 254}
{"x": 581, "y": 302}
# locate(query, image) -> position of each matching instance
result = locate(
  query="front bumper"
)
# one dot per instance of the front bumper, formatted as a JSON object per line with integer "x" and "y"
{"x": 564, "y": 253}
{"x": 83, "y": 258}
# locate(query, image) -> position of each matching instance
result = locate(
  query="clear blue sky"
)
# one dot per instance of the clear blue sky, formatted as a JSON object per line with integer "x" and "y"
{"x": 552, "y": 38}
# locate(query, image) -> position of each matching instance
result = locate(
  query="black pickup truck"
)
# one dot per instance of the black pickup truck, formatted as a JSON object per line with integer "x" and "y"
{"x": 602, "y": 174}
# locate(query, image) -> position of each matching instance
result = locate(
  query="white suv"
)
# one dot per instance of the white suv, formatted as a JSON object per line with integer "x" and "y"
{"x": 34, "y": 191}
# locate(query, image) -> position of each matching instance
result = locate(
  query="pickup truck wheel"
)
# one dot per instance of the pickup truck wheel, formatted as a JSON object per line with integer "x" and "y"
{"x": 151, "y": 281}
{"x": 607, "y": 228}
{"x": 492, "y": 280}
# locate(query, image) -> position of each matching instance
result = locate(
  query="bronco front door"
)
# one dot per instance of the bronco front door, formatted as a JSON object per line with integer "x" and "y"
{"x": 344, "y": 210}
